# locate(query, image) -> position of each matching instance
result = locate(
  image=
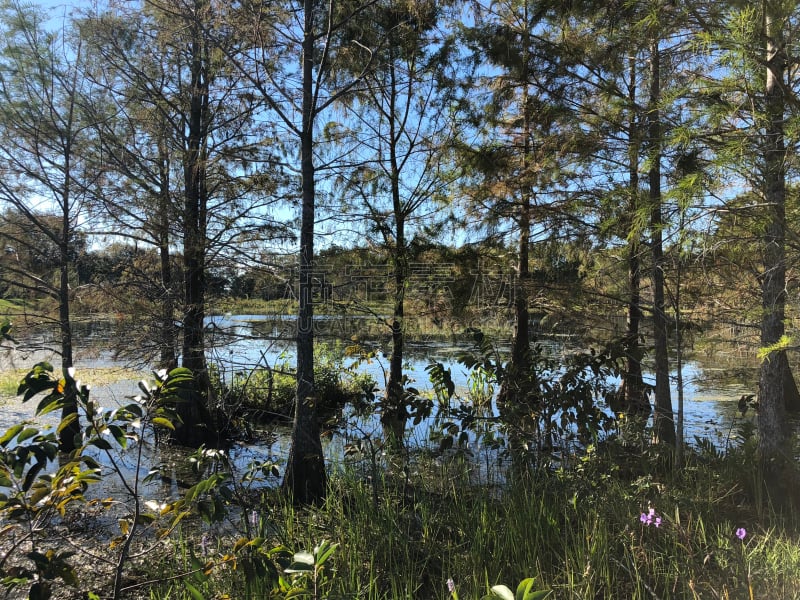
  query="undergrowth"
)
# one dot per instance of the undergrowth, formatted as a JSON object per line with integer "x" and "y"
{"x": 596, "y": 531}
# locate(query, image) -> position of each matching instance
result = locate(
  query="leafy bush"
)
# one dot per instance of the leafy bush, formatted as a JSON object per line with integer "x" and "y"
{"x": 269, "y": 392}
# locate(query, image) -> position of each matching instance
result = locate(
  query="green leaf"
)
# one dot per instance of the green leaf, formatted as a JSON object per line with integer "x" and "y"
{"x": 193, "y": 591}
{"x": 119, "y": 435}
{"x": 523, "y": 588}
{"x": 30, "y": 476}
{"x": 100, "y": 443}
{"x": 50, "y": 403}
{"x": 68, "y": 420}
{"x": 324, "y": 551}
{"x": 162, "y": 422}
{"x": 500, "y": 591}
{"x": 10, "y": 433}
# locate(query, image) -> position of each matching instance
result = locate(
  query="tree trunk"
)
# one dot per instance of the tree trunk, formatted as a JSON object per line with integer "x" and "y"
{"x": 305, "y": 478}
{"x": 167, "y": 337}
{"x": 517, "y": 384}
{"x": 196, "y": 426}
{"x": 664, "y": 424}
{"x": 791, "y": 394}
{"x": 395, "y": 415}
{"x": 68, "y": 435}
{"x": 773, "y": 436}
{"x": 634, "y": 394}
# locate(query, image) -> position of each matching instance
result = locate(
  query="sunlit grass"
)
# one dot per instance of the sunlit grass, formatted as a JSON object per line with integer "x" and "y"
{"x": 579, "y": 534}
{"x": 95, "y": 376}
{"x": 9, "y": 306}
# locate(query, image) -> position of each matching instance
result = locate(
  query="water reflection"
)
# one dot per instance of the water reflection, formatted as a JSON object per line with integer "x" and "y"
{"x": 241, "y": 343}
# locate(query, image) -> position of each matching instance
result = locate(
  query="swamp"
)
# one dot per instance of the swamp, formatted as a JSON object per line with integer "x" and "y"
{"x": 399, "y": 300}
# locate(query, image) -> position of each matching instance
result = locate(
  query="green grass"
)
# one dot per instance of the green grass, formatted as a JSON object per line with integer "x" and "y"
{"x": 577, "y": 533}
{"x": 9, "y": 380}
{"x": 10, "y": 306}
{"x": 403, "y": 529}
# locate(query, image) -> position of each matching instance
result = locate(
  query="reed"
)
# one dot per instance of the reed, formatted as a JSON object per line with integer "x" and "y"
{"x": 593, "y": 532}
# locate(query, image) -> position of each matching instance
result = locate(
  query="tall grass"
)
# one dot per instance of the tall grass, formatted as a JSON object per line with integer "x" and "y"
{"x": 579, "y": 533}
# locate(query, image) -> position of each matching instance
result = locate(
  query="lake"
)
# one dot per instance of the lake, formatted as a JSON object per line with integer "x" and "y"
{"x": 712, "y": 385}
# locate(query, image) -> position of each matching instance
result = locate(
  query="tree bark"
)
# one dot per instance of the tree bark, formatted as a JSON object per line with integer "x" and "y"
{"x": 196, "y": 425}
{"x": 68, "y": 436}
{"x": 517, "y": 384}
{"x": 305, "y": 478}
{"x": 167, "y": 338}
{"x": 664, "y": 424}
{"x": 773, "y": 436}
{"x": 634, "y": 394}
{"x": 394, "y": 414}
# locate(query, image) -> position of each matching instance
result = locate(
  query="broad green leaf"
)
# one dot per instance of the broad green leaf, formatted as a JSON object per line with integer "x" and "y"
{"x": 162, "y": 422}
{"x": 523, "y": 588}
{"x": 50, "y": 403}
{"x": 145, "y": 518}
{"x": 10, "y": 433}
{"x": 134, "y": 409}
{"x": 119, "y": 435}
{"x": 67, "y": 421}
{"x": 30, "y": 476}
{"x": 100, "y": 443}
{"x": 502, "y": 592}
{"x": 39, "y": 492}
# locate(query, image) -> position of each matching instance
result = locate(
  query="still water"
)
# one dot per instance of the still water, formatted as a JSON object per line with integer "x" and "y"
{"x": 711, "y": 386}
{"x": 241, "y": 343}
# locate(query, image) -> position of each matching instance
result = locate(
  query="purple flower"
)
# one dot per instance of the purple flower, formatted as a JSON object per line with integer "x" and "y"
{"x": 253, "y": 519}
{"x": 741, "y": 533}
{"x": 650, "y": 518}
{"x": 451, "y": 585}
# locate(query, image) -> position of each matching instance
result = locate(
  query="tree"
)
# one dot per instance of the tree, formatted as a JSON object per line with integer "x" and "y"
{"x": 773, "y": 434}
{"x": 138, "y": 158}
{"x": 277, "y": 36}
{"x": 752, "y": 103}
{"x": 181, "y": 115}
{"x": 605, "y": 56}
{"x": 42, "y": 138}
{"x": 663, "y": 425}
{"x": 395, "y": 171}
{"x": 519, "y": 164}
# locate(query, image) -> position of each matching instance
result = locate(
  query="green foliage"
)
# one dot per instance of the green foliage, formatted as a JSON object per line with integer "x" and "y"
{"x": 524, "y": 591}
{"x": 270, "y": 392}
{"x": 576, "y": 531}
{"x": 564, "y": 405}
{"x": 31, "y": 499}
